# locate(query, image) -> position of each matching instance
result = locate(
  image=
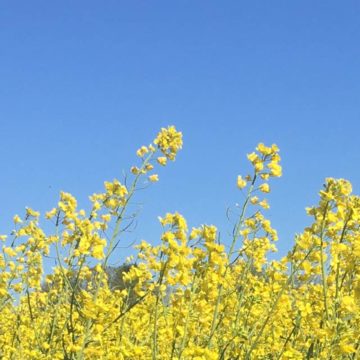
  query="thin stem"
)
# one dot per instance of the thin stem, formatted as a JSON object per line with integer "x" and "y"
{"x": 273, "y": 307}
{"x": 236, "y": 234}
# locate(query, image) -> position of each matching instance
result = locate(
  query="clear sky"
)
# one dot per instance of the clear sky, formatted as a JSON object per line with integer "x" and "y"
{"x": 84, "y": 83}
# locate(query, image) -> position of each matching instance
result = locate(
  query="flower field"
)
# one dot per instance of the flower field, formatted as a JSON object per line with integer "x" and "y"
{"x": 193, "y": 296}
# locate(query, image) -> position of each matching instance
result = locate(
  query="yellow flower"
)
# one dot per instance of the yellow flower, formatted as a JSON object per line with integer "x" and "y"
{"x": 254, "y": 200}
{"x": 162, "y": 160}
{"x": 306, "y": 265}
{"x": 9, "y": 251}
{"x": 241, "y": 183}
{"x": 31, "y": 212}
{"x": 275, "y": 169}
{"x": 17, "y": 219}
{"x": 98, "y": 252}
{"x": 253, "y": 157}
{"x": 135, "y": 170}
{"x": 50, "y": 214}
{"x": 264, "y": 188}
{"x": 259, "y": 166}
{"x": 264, "y": 149}
{"x": 154, "y": 178}
{"x": 264, "y": 204}
{"x": 346, "y": 348}
{"x": 169, "y": 141}
{"x": 106, "y": 217}
{"x": 111, "y": 203}
{"x": 142, "y": 151}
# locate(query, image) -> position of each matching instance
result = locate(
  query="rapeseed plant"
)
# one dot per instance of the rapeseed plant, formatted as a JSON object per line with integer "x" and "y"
{"x": 191, "y": 296}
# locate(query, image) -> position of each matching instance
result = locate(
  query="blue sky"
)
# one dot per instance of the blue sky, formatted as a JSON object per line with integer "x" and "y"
{"x": 84, "y": 83}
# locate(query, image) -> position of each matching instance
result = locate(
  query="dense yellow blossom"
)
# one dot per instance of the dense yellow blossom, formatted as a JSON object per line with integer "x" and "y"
{"x": 193, "y": 294}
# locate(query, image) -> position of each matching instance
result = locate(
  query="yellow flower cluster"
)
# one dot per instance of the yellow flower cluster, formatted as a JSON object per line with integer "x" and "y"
{"x": 169, "y": 141}
{"x": 194, "y": 295}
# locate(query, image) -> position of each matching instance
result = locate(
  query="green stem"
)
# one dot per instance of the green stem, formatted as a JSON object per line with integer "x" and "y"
{"x": 110, "y": 248}
{"x": 273, "y": 307}
{"x": 232, "y": 246}
{"x": 323, "y": 274}
{"x": 182, "y": 346}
